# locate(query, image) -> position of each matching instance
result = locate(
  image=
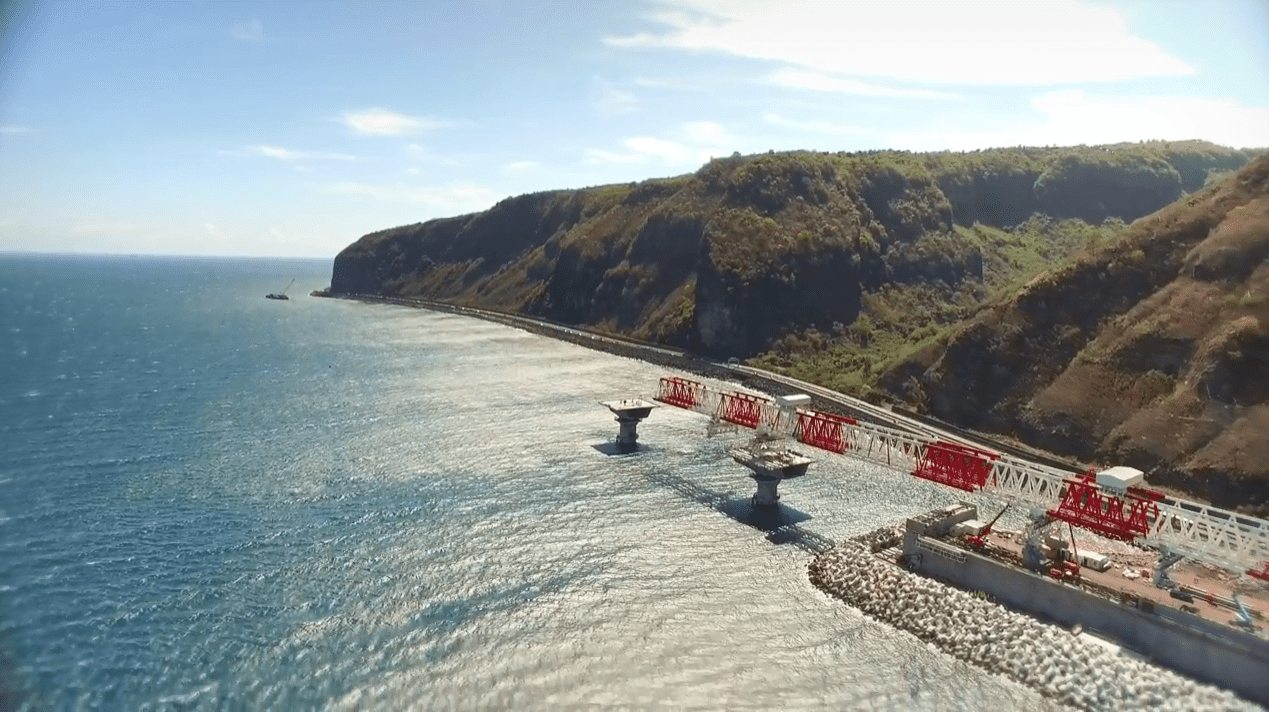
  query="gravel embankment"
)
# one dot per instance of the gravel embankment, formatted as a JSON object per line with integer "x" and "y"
{"x": 1074, "y": 671}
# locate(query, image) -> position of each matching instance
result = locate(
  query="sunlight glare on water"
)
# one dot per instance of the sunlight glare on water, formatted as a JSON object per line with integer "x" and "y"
{"x": 225, "y": 502}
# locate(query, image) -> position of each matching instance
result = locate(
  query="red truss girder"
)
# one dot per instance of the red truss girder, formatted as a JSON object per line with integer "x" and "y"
{"x": 955, "y": 465}
{"x": 741, "y": 408}
{"x": 680, "y": 391}
{"x": 1087, "y": 505}
{"x": 822, "y": 430}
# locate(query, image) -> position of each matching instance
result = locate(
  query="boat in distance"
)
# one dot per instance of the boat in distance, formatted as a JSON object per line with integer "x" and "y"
{"x": 280, "y": 295}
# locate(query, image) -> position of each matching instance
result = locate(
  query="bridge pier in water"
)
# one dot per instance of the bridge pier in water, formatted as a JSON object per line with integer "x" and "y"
{"x": 629, "y": 412}
{"x": 771, "y": 461}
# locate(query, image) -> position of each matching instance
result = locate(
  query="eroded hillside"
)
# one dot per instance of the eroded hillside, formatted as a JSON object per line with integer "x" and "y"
{"x": 1152, "y": 351}
{"x": 753, "y": 250}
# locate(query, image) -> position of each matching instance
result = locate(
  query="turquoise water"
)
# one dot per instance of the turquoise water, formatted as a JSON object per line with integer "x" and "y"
{"x": 216, "y": 501}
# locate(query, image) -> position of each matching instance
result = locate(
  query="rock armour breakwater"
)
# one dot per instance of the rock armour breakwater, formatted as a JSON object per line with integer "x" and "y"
{"x": 1049, "y": 659}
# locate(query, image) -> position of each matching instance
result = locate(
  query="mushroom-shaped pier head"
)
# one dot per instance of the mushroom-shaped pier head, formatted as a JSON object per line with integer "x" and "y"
{"x": 629, "y": 412}
{"x": 771, "y": 461}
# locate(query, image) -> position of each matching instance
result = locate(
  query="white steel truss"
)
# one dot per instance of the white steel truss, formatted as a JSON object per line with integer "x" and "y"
{"x": 1026, "y": 483}
{"x": 1200, "y": 532}
{"x": 1210, "y": 534}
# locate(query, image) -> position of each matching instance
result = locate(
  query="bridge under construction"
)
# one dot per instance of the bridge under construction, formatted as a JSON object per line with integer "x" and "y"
{"x": 1180, "y": 619}
{"x": 1108, "y": 504}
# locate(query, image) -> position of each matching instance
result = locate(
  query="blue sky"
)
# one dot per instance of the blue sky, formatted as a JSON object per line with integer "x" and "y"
{"x": 288, "y": 128}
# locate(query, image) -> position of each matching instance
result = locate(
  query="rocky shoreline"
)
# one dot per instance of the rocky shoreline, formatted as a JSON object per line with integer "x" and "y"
{"x": 1058, "y": 663}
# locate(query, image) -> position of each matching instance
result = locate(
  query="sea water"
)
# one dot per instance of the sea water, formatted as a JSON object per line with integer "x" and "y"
{"x": 211, "y": 500}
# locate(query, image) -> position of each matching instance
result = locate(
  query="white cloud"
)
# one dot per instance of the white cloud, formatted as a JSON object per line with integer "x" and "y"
{"x": 378, "y": 121}
{"x": 453, "y": 199}
{"x": 519, "y": 166}
{"x": 14, "y": 129}
{"x": 599, "y": 155}
{"x": 706, "y": 132}
{"x": 642, "y": 39}
{"x": 275, "y": 152}
{"x": 287, "y": 154}
{"x": 668, "y": 151}
{"x": 417, "y": 153}
{"x": 119, "y": 228}
{"x": 985, "y": 42}
{"x": 671, "y": 84}
{"x": 695, "y": 142}
{"x": 814, "y": 126}
{"x": 644, "y": 149}
{"x": 1071, "y": 117}
{"x": 818, "y": 81}
{"x": 250, "y": 31}
{"x": 610, "y": 101}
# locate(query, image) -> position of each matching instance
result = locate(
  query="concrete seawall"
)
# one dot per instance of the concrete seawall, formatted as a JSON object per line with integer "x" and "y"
{"x": 1202, "y": 649}
{"x": 1072, "y": 669}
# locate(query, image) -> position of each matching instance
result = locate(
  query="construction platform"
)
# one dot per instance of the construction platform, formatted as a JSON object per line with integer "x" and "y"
{"x": 1214, "y": 628}
{"x": 771, "y": 461}
{"x": 629, "y": 412}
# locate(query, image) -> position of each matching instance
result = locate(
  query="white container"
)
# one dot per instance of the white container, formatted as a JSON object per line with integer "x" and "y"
{"x": 1119, "y": 478}
{"x": 797, "y": 400}
{"x": 1094, "y": 560}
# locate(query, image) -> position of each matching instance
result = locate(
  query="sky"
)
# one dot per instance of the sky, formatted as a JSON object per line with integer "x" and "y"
{"x": 294, "y": 128}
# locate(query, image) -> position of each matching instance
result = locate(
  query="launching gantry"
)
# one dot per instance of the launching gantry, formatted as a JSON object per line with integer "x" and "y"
{"x": 1110, "y": 503}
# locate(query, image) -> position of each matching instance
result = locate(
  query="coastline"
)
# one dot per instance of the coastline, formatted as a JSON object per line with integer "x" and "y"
{"x": 669, "y": 357}
{"x": 1062, "y": 664}
{"x": 822, "y": 399}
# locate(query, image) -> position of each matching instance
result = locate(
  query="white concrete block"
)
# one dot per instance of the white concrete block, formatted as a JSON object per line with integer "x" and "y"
{"x": 969, "y": 527}
{"x": 1120, "y": 478}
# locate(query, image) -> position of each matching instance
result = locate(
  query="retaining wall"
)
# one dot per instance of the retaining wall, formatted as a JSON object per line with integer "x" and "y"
{"x": 1205, "y": 650}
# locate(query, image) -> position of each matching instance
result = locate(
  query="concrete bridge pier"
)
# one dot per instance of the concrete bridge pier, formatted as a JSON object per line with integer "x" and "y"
{"x": 771, "y": 461}
{"x": 766, "y": 496}
{"x": 629, "y": 412}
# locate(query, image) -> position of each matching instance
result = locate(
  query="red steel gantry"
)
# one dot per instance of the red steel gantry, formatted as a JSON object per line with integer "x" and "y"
{"x": 1197, "y": 531}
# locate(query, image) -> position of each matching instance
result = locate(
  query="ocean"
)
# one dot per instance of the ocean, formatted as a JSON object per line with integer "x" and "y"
{"x": 216, "y": 501}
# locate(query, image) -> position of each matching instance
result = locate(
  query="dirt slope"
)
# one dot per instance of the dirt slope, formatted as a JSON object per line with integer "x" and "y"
{"x": 1152, "y": 352}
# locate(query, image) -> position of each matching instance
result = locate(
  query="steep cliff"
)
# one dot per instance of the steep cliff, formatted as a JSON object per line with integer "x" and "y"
{"x": 753, "y": 249}
{"x": 1151, "y": 351}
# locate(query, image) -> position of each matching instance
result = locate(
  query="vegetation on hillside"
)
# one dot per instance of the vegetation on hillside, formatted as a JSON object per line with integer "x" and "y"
{"x": 1150, "y": 349}
{"x": 831, "y": 266}
{"x": 898, "y": 321}
{"x": 974, "y": 285}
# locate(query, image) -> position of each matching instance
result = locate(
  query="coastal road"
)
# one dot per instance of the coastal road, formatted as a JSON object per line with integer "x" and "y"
{"x": 683, "y": 360}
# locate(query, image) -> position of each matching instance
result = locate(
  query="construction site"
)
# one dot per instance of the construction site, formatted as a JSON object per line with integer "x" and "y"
{"x": 1177, "y": 583}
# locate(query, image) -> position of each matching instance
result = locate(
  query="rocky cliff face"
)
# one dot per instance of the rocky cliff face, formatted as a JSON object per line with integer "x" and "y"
{"x": 750, "y": 248}
{"x": 1151, "y": 352}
